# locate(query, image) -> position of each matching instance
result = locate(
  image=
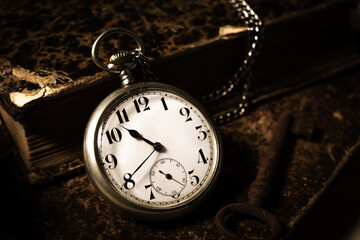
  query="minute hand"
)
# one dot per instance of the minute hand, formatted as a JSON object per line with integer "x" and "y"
{"x": 143, "y": 162}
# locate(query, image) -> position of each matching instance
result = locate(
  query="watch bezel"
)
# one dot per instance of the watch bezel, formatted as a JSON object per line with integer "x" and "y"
{"x": 98, "y": 176}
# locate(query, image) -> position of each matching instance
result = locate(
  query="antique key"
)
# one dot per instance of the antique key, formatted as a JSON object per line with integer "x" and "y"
{"x": 260, "y": 189}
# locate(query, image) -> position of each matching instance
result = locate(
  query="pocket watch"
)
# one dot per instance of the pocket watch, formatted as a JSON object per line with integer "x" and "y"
{"x": 150, "y": 148}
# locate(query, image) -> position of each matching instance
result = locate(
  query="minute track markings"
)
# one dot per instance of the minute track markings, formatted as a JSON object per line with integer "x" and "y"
{"x": 155, "y": 101}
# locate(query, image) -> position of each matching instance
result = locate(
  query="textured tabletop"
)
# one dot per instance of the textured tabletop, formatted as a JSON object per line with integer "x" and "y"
{"x": 71, "y": 209}
{"x": 55, "y": 38}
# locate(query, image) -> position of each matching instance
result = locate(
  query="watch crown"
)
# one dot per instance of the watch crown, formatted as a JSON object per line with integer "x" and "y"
{"x": 120, "y": 58}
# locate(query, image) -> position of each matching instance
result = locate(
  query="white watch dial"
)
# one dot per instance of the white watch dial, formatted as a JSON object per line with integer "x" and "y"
{"x": 158, "y": 150}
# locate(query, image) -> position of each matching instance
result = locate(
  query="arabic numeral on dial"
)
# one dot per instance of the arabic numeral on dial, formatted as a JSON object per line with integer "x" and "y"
{"x": 114, "y": 135}
{"x": 151, "y": 192}
{"x": 175, "y": 194}
{"x": 164, "y": 104}
{"x": 111, "y": 159}
{"x": 202, "y": 158}
{"x": 186, "y": 113}
{"x": 129, "y": 183}
{"x": 194, "y": 179}
{"x": 122, "y": 116}
{"x": 202, "y": 134}
{"x": 141, "y": 101}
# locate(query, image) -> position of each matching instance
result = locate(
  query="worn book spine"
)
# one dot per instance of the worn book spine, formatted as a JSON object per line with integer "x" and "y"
{"x": 301, "y": 45}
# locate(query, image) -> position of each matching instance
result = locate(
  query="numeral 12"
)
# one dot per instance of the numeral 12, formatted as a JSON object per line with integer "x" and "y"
{"x": 142, "y": 101}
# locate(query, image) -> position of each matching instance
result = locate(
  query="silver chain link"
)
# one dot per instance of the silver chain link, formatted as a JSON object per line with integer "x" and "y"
{"x": 145, "y": 66}
{"x": 242, "y": 75}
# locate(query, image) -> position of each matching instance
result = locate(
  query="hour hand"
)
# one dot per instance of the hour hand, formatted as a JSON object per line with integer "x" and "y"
{"x": 135, "y": 134}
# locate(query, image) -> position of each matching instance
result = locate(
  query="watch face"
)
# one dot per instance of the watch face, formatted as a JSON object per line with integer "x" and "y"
{"x": 155, "y": 146}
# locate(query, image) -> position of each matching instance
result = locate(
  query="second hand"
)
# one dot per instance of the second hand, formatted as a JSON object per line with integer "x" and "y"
{"x": 170, "y": 177}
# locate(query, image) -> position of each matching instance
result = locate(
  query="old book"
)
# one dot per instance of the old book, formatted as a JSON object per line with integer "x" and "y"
{"x": 49, "y": 85}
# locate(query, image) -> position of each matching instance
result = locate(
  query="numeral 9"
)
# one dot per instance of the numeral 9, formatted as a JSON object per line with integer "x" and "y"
{"x": 111, "y": 159}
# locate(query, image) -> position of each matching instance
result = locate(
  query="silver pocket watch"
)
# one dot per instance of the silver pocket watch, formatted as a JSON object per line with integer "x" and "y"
{"x": 150, "y": 148}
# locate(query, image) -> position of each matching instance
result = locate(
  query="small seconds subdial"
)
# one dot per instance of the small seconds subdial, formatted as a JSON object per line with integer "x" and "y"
{"x": 168, "y": 177}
